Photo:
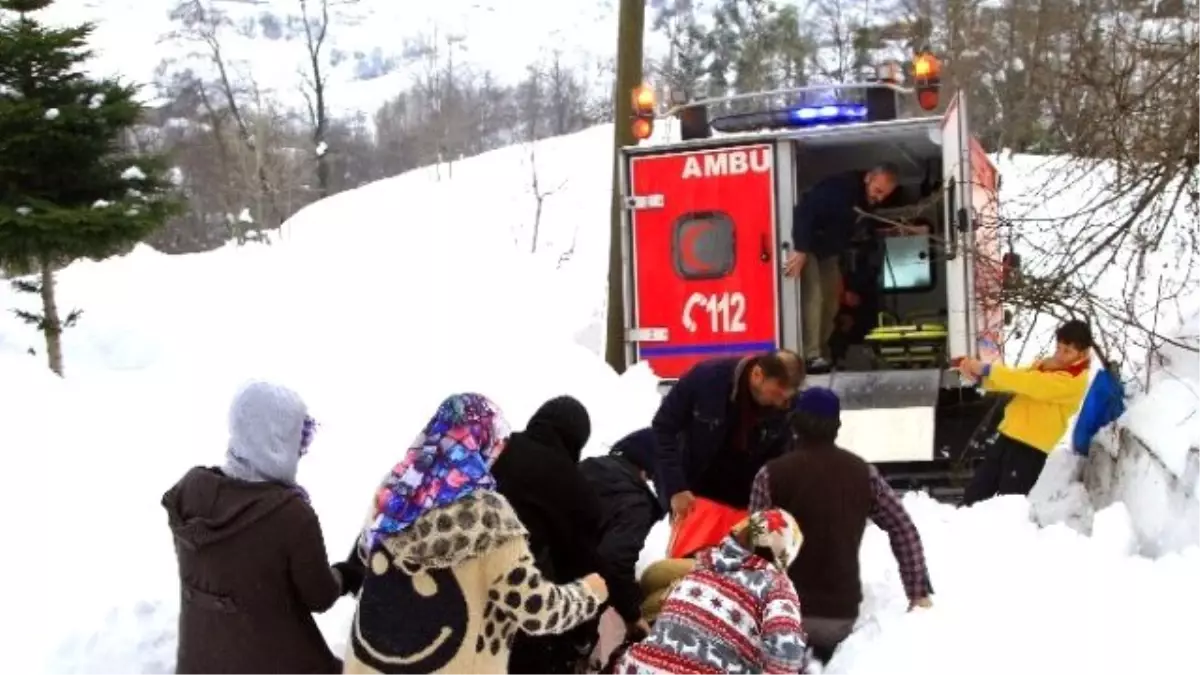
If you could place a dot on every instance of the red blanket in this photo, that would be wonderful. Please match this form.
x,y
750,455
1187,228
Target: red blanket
x,y
705,525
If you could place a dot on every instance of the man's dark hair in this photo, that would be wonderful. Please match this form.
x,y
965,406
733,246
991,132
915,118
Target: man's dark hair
x,y
808,427
888,169
1075,333
784,366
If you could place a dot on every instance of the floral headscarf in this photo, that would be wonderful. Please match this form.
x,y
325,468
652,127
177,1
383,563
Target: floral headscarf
x,y
775,530
450,459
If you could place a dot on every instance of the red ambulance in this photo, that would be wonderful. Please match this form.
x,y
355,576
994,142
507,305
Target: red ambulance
x,y
707,226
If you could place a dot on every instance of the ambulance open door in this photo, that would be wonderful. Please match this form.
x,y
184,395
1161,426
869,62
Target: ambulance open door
x,y
957,234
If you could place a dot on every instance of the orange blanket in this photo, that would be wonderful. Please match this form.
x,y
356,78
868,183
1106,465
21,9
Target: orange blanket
x,y
705,525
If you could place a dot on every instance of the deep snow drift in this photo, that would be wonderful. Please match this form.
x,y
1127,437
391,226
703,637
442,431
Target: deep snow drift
x,y
375,304
1060,210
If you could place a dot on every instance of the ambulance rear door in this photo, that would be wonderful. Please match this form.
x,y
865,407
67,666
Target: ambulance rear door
x,y
957,236
702,248
987,257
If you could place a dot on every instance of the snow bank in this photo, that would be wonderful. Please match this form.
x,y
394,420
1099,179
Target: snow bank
x,y
1149,463
1163,507
1054,203
1167,417
374,304
1011,596
1021,594
1154,468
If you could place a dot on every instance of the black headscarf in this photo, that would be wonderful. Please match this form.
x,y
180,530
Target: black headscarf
x,y
539,475
561,423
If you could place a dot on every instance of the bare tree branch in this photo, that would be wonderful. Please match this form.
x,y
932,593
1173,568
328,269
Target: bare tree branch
x,y
315,85
203,24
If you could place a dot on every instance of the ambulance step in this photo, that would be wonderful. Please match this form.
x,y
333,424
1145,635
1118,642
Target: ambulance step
x,y
944,481
882,388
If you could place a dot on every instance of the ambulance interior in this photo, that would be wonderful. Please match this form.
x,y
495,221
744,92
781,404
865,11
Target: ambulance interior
x,y
901,407
899,281
900,328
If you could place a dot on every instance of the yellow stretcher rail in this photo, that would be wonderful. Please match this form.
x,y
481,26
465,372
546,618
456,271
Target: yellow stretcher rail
x,y
915,343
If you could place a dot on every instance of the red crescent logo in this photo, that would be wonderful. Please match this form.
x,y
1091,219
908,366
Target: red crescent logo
x,y
689,241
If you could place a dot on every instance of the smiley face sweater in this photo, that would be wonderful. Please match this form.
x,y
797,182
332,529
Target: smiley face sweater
x,y
449,594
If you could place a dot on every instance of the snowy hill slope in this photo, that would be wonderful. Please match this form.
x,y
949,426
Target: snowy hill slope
x,y
367,41
370,52
500,208
375,304
474,222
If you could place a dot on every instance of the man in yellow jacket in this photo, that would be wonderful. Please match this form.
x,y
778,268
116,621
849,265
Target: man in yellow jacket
x,y
1045,396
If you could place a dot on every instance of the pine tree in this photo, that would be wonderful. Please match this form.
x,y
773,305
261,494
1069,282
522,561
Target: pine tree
x,y
756,46
69,186
684,67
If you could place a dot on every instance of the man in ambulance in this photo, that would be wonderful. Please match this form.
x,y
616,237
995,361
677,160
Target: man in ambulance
x,y
720,423
823,224
1045,396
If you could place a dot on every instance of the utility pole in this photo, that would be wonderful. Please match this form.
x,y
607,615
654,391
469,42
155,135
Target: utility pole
x,y
631,23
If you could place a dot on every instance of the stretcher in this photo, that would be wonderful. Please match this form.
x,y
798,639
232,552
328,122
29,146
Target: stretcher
x,y
918,342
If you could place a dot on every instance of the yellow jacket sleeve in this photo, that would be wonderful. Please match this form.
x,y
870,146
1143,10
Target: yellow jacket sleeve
x,y
1055,386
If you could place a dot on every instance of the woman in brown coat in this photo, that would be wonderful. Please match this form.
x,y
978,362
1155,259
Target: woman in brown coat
x,y
252,561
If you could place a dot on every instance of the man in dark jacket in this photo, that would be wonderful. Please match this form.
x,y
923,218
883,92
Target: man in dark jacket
x,y
714,430
832,493
823,224
538,474
630,510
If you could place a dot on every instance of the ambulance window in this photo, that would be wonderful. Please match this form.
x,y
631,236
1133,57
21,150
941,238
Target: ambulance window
x,y
907,264
702,246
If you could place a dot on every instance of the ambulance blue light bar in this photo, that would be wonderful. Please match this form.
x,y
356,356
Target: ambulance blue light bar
x,y
832,114
838,113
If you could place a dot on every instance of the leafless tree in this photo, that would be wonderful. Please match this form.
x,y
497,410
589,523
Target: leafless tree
x,y
565,103
202,23
600,80
248,161
1106,89
439,86
315,84
1133,88
540,194
837,21
193,128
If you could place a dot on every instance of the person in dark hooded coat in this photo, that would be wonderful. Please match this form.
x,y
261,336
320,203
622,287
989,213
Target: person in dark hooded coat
x,y
539,475
629,511
252,560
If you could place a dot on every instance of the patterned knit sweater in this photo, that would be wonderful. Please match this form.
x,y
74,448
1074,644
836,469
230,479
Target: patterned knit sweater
x,y
449,594
735,613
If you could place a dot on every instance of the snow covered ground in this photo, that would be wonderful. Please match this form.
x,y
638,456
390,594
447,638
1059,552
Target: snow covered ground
x,y
368,52
375,304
